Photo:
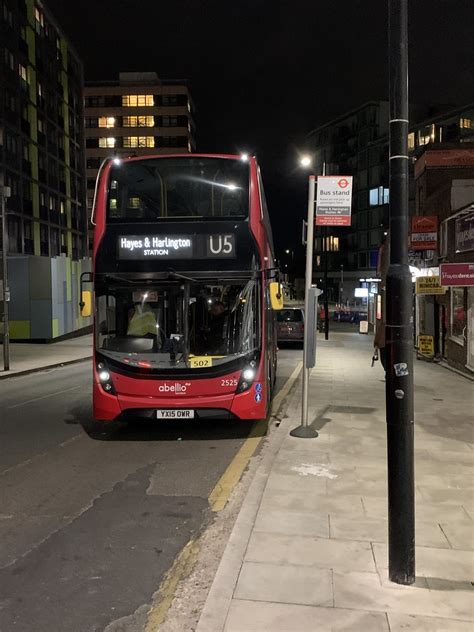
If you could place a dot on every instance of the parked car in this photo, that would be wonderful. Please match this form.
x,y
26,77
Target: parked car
x,y
290,324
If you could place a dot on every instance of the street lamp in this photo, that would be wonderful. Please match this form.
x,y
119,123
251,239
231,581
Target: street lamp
x,y
306,161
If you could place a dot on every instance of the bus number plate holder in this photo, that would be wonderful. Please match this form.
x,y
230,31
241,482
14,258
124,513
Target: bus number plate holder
x,y
175,414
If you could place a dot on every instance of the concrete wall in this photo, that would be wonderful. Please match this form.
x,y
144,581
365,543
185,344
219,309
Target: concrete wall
x,y
45,297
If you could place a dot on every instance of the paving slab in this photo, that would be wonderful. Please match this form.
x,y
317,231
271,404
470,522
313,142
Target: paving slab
x,y
415,623
252,616
287,583
320,552
364,591
448,564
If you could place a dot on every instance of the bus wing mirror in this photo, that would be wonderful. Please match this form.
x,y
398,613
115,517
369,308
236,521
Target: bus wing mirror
x,y
276,295
86,303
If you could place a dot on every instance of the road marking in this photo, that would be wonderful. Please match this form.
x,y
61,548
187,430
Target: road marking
x,y
220,494
36,399
182,567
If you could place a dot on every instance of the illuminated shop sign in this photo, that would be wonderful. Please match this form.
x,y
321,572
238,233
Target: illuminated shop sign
x,y
176,246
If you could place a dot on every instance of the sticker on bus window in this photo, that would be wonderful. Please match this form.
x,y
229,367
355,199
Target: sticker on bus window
x,y
200,362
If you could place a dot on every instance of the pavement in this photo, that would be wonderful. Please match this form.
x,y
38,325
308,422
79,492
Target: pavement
x,y
308,551
29,358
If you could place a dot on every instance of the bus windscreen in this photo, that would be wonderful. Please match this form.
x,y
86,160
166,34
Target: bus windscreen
x,y
165,327
178,188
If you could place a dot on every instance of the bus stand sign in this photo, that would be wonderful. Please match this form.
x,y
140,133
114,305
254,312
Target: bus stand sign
x,y
333,201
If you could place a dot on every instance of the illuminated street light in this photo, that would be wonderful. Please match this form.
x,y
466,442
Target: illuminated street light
x,y
305,161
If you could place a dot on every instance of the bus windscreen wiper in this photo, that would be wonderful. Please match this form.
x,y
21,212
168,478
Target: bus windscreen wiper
x,y
178,275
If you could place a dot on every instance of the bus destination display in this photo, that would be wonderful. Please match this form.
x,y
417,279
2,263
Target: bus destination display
x,y
176,246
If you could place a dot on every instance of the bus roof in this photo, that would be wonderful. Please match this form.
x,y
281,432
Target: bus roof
x,y
186,155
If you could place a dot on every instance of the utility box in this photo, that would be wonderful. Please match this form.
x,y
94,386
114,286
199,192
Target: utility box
x,y
311,327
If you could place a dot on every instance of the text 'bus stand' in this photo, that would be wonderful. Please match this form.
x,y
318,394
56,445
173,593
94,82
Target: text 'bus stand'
x,y
399,321
305,431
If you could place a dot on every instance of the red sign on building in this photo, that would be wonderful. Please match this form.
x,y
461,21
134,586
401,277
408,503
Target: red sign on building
x,y
457,274
424,232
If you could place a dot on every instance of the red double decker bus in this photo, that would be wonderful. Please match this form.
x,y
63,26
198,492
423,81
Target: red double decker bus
x,y
184,289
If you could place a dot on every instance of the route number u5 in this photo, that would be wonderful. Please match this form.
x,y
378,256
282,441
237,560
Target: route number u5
x,y
221,246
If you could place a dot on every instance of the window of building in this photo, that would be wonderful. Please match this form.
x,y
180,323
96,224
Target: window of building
x,y
91,121
93,163
23,72
170,121
458,315
443,239
466,123
411,141
39,17
134,202
40,125
107,141
9,59
379,195
95,102
44,240
106,121
14,234
138,121
7,15
11,143
62,207
139,141
137,100
332,244
28,243
362,200
54,237
170,99
374,197
426,135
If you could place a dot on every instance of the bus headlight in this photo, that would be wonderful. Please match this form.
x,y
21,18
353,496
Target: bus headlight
x,y
105,378
247,377
248,374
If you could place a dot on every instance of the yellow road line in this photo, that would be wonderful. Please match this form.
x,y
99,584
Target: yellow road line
x,y
223,489
182,566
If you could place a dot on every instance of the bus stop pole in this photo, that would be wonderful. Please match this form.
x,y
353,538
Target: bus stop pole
x,y
305,431
399,335
4,193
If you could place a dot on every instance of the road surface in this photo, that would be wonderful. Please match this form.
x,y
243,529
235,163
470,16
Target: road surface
x,y
92,517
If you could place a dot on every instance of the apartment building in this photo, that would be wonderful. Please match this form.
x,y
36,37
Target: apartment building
x,y
138,115
42,163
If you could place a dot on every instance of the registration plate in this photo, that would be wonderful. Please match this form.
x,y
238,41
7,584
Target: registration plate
x,y
175,414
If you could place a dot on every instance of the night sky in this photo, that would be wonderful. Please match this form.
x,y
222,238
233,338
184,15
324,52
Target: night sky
x,y
264,72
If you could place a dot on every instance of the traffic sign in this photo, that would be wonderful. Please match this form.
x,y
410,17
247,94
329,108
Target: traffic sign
x,y
333,201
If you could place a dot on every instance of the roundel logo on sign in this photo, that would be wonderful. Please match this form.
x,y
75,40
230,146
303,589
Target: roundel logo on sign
x,y
343,183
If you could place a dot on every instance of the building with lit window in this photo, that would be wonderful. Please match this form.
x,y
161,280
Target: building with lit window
x,y
356,144
140,114
42,162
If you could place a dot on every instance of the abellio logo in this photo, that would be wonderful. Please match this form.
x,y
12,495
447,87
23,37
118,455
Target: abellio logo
x,y
177,388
